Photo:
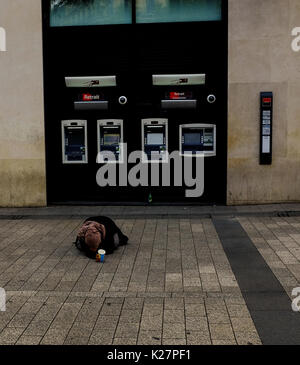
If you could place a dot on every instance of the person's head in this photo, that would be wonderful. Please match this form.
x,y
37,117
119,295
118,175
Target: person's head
x,y
90,237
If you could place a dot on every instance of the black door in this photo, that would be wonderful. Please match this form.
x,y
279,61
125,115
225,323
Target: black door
x,y
133,53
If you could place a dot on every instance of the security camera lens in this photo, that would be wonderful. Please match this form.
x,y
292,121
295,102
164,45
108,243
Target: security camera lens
x,y
211,98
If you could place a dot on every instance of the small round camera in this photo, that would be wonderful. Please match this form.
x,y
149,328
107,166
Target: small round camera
x,y
122,100
211,98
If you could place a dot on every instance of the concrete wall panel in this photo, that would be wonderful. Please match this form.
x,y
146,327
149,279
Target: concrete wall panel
x,y
22,146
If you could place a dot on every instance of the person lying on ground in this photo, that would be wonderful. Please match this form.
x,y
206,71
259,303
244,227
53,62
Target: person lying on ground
x,y
99,233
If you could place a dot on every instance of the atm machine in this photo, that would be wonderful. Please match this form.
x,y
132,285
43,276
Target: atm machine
x,y
74,142
197,139
110,140
155,139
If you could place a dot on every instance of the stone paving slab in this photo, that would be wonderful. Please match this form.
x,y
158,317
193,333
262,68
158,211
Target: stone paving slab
x,y
171,285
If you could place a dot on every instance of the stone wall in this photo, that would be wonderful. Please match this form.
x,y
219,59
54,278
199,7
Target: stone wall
x,y
261,59
22,147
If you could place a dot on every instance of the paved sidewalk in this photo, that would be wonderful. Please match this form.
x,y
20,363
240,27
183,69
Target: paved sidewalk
x,y
153,210
172,284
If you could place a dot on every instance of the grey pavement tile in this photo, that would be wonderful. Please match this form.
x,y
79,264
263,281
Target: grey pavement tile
x,y
224,342
106,323
29,340
9,336
151,323
196,324
247,338
21,320
173,303
76,340
54,337
194,310
238,311
173,316
127,330
219,318
221,331
149,337
81,330
30,308
111,309
174,341
101,339
124,341
173,330
131,315
37,327
243,324
198,338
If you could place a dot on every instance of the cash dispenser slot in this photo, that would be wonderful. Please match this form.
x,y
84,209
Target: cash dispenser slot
x,y
179,104
197,139
110,140
74,141
91,105
179,90
91,100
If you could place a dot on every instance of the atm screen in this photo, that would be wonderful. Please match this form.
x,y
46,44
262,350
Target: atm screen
x,y
74,143
192,139
74,136
155,138
198,139
111,139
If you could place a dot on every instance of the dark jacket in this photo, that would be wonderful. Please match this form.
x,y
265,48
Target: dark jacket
x,y
108,244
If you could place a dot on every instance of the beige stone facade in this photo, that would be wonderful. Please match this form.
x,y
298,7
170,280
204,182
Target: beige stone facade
x,y
260,59
22,141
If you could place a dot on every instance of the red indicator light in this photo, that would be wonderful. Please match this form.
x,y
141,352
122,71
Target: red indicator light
x,y
267,100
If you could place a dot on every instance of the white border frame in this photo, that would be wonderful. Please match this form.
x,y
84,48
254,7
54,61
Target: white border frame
x,y
148,121
198,125
116,122
67,123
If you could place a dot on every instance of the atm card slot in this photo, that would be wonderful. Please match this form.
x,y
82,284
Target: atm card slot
x,y
179,104
91,105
